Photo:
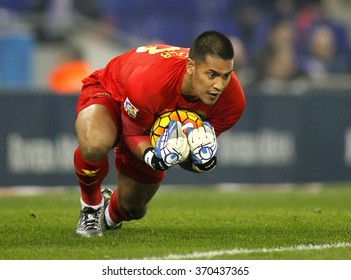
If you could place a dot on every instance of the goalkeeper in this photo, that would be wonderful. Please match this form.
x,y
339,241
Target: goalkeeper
x,y
117,106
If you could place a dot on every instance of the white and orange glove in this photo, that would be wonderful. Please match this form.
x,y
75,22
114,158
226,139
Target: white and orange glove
x,y
171,148
203,147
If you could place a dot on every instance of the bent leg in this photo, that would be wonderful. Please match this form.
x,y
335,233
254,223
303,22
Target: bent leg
x,y
97,133
129,201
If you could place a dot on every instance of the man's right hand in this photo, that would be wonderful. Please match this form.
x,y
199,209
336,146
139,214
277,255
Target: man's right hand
x,y
171,148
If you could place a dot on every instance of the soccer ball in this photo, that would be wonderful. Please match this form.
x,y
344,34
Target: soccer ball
x,y
187,118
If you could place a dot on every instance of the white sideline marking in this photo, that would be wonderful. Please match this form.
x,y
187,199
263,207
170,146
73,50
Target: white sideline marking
x,y
242,251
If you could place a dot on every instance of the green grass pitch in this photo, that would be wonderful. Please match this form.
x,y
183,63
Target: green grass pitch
x,y
254,223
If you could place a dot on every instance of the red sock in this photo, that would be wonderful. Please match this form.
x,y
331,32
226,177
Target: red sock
x,y
116,213
90,176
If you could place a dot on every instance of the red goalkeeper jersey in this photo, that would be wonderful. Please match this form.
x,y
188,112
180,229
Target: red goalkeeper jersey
x,y
147,81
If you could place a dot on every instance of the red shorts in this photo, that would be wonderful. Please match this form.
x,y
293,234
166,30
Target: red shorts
x,y
125,161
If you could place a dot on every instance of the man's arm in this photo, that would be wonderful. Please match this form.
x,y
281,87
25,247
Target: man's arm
x,y
140,149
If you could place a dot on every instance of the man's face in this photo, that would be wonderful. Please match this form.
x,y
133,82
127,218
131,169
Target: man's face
x,y
209,78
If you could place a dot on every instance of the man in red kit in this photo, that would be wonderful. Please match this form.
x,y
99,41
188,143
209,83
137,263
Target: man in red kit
x,y
118,105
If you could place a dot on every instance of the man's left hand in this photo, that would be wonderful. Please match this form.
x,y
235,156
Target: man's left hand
x,y
203,147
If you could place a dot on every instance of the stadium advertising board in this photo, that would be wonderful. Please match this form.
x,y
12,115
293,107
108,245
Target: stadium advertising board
x,y
279,139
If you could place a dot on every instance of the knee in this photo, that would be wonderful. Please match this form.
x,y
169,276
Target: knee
x,y
134,213
93,153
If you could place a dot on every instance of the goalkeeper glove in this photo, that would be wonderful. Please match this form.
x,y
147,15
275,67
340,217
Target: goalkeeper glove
x,y
171,148
203,147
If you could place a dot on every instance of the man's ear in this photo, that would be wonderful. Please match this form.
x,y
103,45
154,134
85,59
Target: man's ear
x,y
190,66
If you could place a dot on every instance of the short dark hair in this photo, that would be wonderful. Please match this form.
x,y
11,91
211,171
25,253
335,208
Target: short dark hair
x,y
212,43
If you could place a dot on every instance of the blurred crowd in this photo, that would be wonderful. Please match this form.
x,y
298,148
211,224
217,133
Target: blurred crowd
x,y
278,43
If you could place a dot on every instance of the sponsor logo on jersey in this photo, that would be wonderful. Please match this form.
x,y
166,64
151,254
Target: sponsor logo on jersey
x,y
130,108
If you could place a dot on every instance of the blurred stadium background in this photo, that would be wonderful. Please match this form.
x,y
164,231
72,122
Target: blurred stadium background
x,y
292,57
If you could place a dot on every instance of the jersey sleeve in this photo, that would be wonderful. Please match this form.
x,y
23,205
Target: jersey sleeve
x,y
142,101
